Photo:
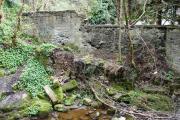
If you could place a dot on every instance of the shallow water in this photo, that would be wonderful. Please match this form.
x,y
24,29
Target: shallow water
x,y
79,114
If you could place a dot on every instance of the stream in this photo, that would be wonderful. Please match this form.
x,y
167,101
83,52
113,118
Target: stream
x,y
78,114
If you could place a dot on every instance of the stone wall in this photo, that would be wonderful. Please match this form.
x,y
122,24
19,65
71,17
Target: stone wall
x,y
105,38
55,27
66,26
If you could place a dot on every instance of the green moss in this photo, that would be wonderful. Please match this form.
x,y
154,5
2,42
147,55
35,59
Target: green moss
x,y
59,93
70,100
111,91
70,85
71,47
2,73
45,49
39,107
148,101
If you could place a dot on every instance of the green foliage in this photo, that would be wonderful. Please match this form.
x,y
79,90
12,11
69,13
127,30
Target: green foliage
x,y
38,107
33,110
104,12
147,101
170,75
46,49
8,25
14,57
34,78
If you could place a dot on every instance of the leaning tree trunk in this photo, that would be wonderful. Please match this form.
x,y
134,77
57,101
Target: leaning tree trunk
x,y
119,16
1,13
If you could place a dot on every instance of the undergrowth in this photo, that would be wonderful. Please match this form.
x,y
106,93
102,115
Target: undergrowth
x,y
14,57
34,78
8,25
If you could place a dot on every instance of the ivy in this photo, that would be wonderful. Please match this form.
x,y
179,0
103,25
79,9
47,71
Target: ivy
x,y
104,12
14,57
34,78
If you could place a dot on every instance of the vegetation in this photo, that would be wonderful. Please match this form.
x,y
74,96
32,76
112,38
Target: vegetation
x,y
103,13
92,82
34,78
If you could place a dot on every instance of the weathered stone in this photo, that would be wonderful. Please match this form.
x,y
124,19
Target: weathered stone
x,y
14,101
51,94
7,82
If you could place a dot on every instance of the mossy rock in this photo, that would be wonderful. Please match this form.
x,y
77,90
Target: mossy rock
x,y
2,73
70,100
60,108
70,85
39,107
59,93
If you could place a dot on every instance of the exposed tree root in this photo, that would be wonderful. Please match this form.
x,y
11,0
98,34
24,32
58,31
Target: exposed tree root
x,y
150,115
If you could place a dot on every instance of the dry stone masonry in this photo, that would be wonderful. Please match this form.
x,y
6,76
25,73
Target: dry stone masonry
x,y
63,27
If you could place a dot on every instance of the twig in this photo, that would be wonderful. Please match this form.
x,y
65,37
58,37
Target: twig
x,y
144,11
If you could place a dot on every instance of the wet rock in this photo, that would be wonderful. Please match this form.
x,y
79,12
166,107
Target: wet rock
x,y
14,101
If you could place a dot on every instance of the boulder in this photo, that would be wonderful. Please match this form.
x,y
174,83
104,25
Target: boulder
x,y
14,101
7,82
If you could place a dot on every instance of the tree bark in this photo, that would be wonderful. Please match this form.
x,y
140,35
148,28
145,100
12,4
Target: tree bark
x,y
131,50
1,13
159,14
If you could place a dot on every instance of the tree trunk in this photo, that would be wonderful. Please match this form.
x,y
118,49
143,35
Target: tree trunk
x,y
159,14
1,13
18,24
119,16
131,50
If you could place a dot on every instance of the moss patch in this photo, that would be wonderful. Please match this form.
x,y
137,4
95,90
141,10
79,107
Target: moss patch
x,y
70,85
147,101
39,107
